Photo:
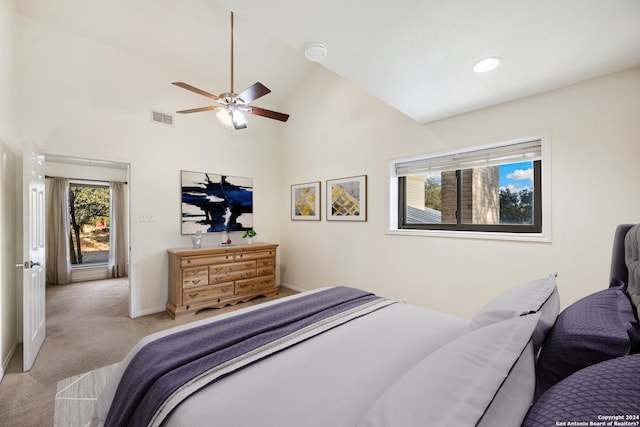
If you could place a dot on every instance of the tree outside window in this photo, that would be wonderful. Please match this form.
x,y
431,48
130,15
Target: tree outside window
x,y
89,216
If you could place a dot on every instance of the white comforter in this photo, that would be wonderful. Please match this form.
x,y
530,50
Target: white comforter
x,y
329,380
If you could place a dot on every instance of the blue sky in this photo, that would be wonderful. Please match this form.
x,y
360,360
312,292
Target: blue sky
x,y
516,176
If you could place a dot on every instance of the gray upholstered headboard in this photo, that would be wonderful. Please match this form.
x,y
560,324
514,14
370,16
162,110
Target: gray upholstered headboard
x,y
619,271
632,260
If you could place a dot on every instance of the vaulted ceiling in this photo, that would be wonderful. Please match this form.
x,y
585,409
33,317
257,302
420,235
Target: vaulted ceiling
x,y
415,55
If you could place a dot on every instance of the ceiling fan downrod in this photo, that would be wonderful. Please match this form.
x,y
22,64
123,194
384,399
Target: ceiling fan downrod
x,y
232,52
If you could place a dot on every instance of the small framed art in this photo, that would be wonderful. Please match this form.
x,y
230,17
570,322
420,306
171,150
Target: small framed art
x,y
305,201
347,199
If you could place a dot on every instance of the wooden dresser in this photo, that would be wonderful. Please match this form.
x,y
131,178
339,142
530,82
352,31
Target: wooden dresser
x,y
219,276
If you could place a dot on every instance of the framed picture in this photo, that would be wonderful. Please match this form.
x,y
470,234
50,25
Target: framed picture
x,y
347,199
305,201
215,203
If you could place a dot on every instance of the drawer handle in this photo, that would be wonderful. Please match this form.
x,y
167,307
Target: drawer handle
x,y
225,290
244,285
195,282
219,279
188,261
248,265
193,295
218,269
196,271
265,262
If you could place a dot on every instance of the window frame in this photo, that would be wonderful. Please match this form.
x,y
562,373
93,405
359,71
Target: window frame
x,y
539,232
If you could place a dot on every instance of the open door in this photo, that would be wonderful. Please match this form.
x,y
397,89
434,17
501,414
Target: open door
x,y
34,277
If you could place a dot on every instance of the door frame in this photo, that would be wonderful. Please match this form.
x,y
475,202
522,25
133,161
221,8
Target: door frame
x,y
98,163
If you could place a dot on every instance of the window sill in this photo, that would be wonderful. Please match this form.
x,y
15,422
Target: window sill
x,y
520,237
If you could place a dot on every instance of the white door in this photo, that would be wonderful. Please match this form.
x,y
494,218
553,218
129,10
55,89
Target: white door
x,y
33,294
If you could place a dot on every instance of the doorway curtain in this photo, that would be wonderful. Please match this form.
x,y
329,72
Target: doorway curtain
x,y
58,267
117,235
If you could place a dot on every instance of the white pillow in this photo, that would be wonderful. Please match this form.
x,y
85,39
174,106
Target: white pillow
x,y
486,378
537,295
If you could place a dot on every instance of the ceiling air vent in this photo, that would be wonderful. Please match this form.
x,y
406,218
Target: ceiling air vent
x,y
159,117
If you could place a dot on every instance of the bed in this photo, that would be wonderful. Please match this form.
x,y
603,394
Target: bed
x,y
340,356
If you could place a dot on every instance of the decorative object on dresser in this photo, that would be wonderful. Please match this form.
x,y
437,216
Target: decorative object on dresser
x,y
249,235
219,276
196,240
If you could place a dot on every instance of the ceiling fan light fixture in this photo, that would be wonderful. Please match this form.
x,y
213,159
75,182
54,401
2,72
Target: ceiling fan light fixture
x,y
486,64
239,121
232,117
315,52
225,117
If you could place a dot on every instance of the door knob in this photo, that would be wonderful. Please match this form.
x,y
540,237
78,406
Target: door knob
x,y
28,264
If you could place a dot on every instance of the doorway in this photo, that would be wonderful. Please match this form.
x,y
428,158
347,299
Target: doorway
x,y
89,226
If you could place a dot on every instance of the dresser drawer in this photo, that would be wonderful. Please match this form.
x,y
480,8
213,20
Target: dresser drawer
x,y
230,272
205,260
251,285
192,277
256,255
232,268
266,271
207,293
266,262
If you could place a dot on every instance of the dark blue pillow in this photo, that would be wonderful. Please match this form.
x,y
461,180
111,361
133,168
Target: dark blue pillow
x,y
599,327
610,388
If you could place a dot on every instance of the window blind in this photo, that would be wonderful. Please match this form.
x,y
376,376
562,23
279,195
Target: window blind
x,y
493,156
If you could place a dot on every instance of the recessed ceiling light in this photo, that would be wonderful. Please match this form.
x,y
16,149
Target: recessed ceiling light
x,y
486,64
315,52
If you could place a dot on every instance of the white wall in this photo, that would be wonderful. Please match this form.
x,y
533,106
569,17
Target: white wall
x,y
341,131
8,184
7,71
81,98
595,148
8,330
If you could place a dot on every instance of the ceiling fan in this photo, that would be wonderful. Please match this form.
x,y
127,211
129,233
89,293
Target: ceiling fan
x,y
232,106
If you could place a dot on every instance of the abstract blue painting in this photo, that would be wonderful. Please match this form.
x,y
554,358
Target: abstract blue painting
x,y
215,203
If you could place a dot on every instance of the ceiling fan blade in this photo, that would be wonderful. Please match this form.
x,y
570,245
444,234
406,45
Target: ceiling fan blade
x,y
195,89
254,92
197,110
269,114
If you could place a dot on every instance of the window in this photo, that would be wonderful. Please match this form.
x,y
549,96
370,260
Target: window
x,y
495,189
89,217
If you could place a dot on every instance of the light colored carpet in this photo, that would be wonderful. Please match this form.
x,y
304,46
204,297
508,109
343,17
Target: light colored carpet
x,y
87,328
76,397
